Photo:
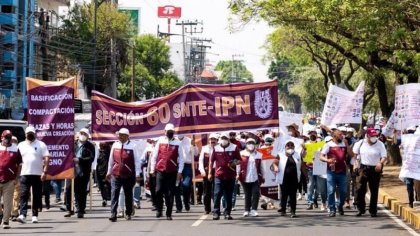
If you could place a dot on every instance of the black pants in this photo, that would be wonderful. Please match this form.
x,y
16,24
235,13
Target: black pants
x,y
80,192
165,187
288,191
127,184
252,195
367,175
225,188
46,190
207,194
26,183
152,186
104,187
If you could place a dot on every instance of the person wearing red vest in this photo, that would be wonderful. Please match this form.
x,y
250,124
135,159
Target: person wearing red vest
x,y
334,153
204,168
249,173
10,160
167,164
124,170
224,158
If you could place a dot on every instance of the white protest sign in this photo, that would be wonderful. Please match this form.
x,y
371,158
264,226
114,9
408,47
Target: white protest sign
x,y
407,105
319,167
410,157
343,106
390,125
287,118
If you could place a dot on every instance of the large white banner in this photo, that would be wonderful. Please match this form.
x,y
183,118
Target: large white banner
x,y
287,118
343,106
410,157
407,105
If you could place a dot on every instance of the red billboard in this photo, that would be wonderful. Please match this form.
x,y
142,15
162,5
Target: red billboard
x,y
169,12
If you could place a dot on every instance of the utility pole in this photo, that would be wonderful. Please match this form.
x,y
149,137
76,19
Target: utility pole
x,y
192,30
133,76
234,76
113,64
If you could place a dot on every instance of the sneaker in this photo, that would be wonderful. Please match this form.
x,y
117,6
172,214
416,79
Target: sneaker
x,y
57,200
293,215
216,217
332,214
21,219
127,217
34,219
233,209
228,217
120,214
254,213
310,207
299,196
13,218
6,225
137,205
323,207
246,213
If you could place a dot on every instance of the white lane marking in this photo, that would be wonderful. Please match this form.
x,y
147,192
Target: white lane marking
x,y
199,221
396,219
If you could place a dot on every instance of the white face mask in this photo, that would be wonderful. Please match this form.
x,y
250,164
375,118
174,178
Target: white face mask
x,y
224,142
290,133
373,139
250,147
82,138
290,151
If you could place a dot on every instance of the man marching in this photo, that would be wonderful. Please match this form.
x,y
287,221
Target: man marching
x,y
225,157
203,167
124,170
167,164
10,160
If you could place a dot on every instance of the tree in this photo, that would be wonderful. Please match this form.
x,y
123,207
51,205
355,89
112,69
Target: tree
x,y
378,36
281,69
74,42
234,71
153,77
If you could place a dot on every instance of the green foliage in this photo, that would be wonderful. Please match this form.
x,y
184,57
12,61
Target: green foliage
x,y
153,77
234,71
74,41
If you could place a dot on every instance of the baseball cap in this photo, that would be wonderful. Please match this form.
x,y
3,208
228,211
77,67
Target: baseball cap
x,y
268,138
250,140
169,127
224,134
213,135
371,132
6,133
30,129
86,131
342,129
123,131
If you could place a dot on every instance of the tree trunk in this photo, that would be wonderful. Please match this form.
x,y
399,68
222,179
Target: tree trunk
x,y
394,155
382,95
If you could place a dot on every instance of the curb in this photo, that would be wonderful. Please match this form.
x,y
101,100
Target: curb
x,y
408,214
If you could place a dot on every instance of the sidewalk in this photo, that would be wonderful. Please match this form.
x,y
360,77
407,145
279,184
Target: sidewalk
x,y
393,195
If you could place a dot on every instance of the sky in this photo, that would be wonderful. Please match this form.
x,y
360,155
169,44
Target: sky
x,y
214,15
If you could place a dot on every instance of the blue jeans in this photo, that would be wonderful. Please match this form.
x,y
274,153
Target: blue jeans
x,y
57,184
410,190
336,180
127,185
223,188
137,193
312,187
184,189
235,191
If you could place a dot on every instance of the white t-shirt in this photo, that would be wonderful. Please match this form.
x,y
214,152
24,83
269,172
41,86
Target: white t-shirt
x,y
33,157
369,155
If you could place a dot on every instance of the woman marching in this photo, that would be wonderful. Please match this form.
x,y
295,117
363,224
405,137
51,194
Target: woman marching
x,y
289,167
249,173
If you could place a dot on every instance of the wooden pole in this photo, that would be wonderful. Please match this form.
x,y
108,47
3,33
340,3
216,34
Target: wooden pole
x,y
72,196
193,174
90,192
